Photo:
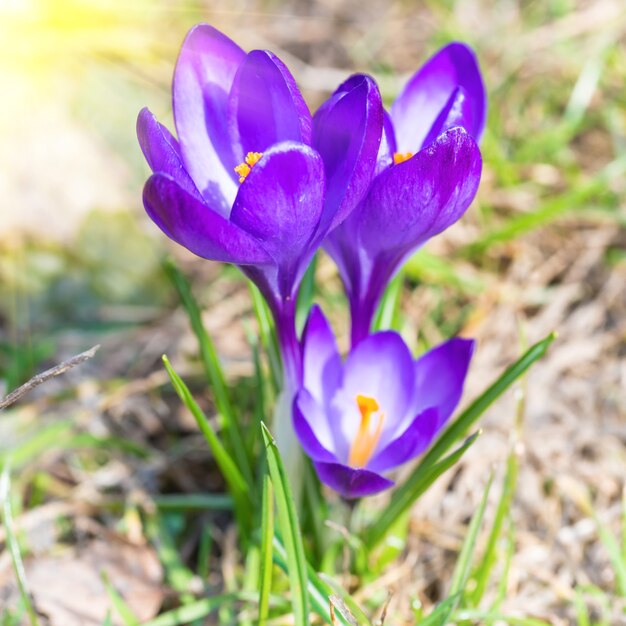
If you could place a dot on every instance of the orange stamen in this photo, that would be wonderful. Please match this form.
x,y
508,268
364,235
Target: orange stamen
x,y
401,157
243,169
365,441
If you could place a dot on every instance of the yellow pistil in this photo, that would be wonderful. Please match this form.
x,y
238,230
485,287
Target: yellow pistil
x,y
243,169
401,157
366,439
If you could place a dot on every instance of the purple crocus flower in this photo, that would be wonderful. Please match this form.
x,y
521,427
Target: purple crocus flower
x,y
242,183
427,174
361,418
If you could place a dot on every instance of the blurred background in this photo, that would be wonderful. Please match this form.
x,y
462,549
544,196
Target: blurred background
x,y
543,248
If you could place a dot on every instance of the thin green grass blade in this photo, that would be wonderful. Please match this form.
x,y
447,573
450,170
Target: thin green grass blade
x,y
178,575
237,485
193,502
481,617
465,421
290,529
463,566
613,549
192,612
348,600
305,295
439,616
483,571
13,546
319,592
580,606
464,562
387,314
409,492
268,336
213,368
267,535
426,267
119,604
552,209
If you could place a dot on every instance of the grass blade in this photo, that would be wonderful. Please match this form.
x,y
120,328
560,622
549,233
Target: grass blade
x,y
13,546
213,368
123,610
237,485
488,560
387,314
290,529
319,592
268,336
305,295
552,209
267,534
442,616
191,612
463,423
409,492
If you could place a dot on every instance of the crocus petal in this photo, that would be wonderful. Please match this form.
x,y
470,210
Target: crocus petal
x,y
440,376
183,218
349,482
203,78
266,106
413,441
413,201
388,146
457,112
162,151
322,364
380,367
347,132
280,204
311,426
426,94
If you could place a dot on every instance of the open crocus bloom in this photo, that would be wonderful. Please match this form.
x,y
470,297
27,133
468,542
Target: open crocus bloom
x,y
361,418
242,183
427,174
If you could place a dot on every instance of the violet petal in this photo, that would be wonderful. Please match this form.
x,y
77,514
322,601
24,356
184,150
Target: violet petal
x,y
266,106
349,482
183,218
347,131
412,441
440,376
426,94
203,77
322,365
311,426
162,151
280,204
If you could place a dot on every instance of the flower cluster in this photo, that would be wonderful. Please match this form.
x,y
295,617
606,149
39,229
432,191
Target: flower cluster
x,y
254,180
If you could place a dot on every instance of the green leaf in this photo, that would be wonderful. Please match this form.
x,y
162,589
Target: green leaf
x,y
305,295
267,535
578,196
481,575
462,568
192,612
237,485
12,544
463,423
124,611
387,313
409,492
290,530
213,368
268,335
319,592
